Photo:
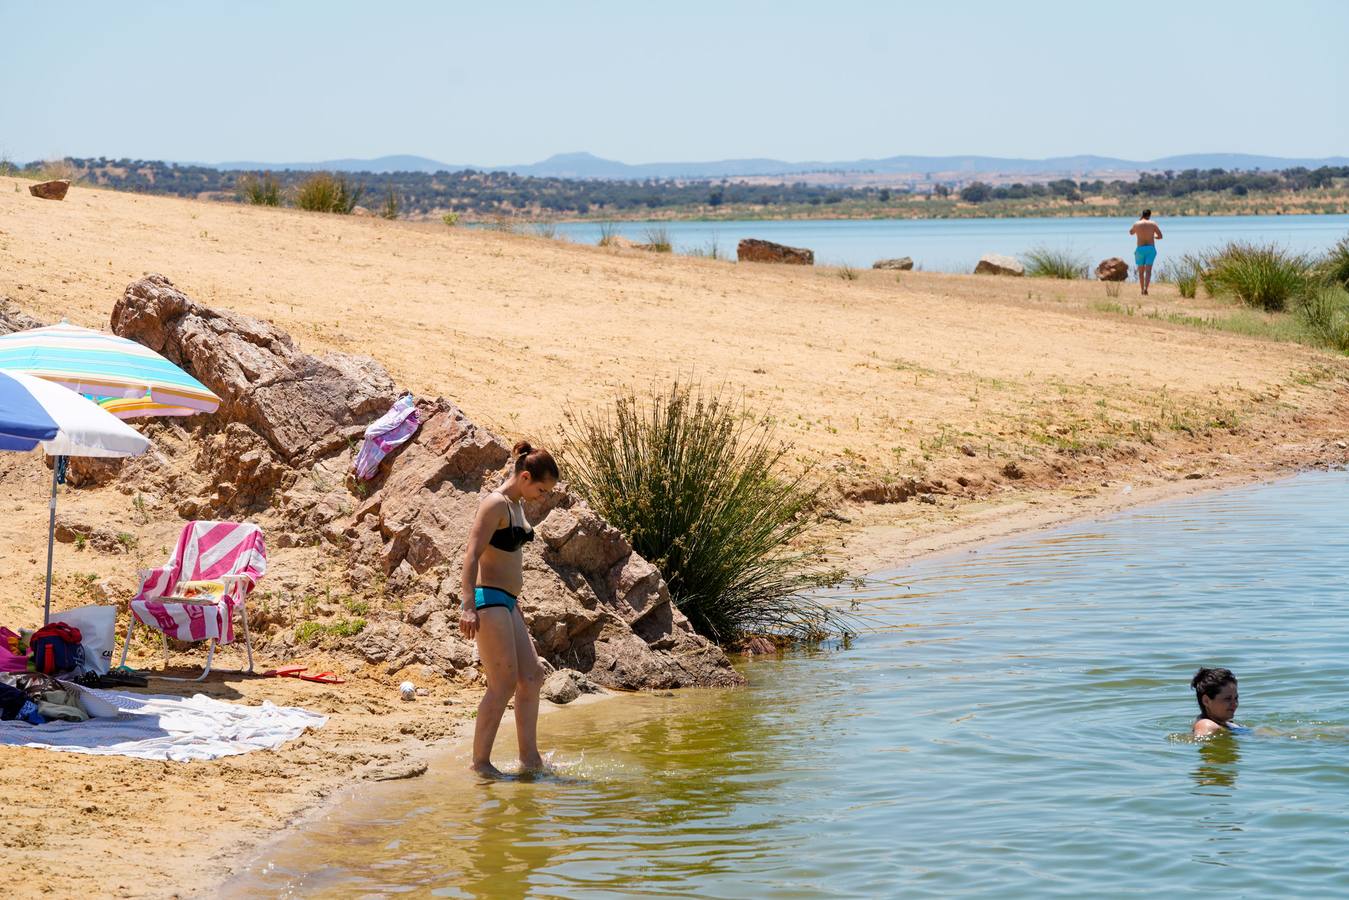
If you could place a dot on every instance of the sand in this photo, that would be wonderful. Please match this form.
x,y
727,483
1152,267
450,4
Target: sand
x,y
875,380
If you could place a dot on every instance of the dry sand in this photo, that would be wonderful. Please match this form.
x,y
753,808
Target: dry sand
x,y
1042,401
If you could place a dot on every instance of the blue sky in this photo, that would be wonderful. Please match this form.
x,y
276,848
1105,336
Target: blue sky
x,y
515,82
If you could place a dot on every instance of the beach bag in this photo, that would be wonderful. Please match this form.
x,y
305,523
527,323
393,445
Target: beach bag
x,y
12,656
97,626
55,648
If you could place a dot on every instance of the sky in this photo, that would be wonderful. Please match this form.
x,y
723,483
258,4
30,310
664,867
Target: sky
x,y
510,83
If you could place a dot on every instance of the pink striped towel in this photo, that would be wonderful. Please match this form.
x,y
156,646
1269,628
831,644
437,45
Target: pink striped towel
x,y
232,552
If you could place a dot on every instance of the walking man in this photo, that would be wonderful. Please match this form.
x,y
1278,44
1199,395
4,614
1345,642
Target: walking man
x,y
1145,254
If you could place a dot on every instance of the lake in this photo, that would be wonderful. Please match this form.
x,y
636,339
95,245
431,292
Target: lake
x,y
1017,723
955,245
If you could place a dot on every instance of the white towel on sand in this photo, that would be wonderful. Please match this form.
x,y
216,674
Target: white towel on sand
x,y
171,728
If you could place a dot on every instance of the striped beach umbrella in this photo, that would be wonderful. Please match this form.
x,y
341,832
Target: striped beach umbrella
x,y
106,366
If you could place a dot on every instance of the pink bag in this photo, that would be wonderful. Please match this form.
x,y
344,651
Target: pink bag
x,y
10,661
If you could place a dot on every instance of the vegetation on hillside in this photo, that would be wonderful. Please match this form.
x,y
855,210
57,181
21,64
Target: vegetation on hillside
x,y
485,196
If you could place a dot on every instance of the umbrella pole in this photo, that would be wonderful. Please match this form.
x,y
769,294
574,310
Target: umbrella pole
x,y
57,465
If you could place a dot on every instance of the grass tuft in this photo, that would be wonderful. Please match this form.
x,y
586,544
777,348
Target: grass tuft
x,y
260,190
696,482
608,234
658,240
848,273
1044,262
1264,276
1188,272
1324,310
1334,266
325,192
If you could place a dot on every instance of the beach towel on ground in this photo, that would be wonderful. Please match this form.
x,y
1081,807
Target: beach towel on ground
x,y
393,429
206,551
168,728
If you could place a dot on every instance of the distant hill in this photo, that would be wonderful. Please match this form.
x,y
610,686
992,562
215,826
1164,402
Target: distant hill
x,y
589,166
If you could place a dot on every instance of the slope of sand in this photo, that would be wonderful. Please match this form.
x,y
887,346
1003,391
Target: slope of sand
x,y
1009,402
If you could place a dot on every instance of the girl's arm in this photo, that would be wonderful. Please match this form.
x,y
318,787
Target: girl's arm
x,y
484,523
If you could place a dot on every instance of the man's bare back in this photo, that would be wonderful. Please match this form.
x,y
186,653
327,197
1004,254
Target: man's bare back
x,y
1146,231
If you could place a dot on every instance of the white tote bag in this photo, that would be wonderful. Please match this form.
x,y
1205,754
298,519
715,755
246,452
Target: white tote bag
x,y
98,627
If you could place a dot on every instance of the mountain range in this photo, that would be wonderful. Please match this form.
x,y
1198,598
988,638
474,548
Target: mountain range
x,y
587,165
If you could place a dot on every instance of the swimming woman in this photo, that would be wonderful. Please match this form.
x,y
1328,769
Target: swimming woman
x,y
490,610
1216,691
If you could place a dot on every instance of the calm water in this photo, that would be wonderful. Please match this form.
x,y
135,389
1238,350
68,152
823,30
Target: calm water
x,y
1021,727
955,245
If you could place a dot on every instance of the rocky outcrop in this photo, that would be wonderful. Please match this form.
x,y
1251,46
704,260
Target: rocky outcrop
x,y
301,404
50,190
1113,269
12,320
279,449
755,250
997,264
901,264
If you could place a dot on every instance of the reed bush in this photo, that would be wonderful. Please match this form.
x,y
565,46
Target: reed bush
x,y
1045,262
1324,310
546,230
608,234
1188,270
696,482
1261,275
326,192
260,190
1333,268
390,208
658,239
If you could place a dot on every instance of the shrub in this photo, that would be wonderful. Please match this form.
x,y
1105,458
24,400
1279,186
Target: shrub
x,y
260,190
1189,269
546,230
608,234
450,218
848,273
1324,309
694,480
325,192
1263,276
1042,262
658,239
390,208
1334,266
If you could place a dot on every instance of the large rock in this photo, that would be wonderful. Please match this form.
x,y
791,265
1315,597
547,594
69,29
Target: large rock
x,y
1113,269
755,250
50,190
301,404
12,320
902,264
997,264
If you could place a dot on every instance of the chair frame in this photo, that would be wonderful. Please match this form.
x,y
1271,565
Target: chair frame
x,y
214,642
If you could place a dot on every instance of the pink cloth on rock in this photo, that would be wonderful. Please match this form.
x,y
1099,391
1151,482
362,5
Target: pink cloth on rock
x,y
206,551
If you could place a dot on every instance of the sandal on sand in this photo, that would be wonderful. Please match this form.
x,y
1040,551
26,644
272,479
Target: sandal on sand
x,y
323,678
285,672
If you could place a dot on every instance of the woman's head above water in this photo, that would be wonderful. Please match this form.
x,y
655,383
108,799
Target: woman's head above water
x,y
1216,692
533,471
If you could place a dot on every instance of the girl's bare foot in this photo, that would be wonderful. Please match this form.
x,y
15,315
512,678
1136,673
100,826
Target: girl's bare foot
x,y
533,765
487,770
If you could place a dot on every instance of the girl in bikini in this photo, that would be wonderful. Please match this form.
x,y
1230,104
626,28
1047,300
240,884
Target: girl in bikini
x,y
1216,691
489,609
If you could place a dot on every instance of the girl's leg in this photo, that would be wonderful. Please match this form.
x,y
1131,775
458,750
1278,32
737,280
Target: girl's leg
x,y
528,681
496,649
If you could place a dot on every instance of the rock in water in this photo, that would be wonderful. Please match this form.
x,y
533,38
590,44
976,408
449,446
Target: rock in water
x,y
50,190
997,264
902,264
755,250
561,687
1113,269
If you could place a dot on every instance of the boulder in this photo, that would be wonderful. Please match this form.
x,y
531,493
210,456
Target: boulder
x,y
902,264
563,686
755,250
50,190
997,264
300,404
12,320
1113,269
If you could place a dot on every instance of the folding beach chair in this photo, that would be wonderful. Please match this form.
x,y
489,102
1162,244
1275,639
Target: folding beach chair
x,y
232,553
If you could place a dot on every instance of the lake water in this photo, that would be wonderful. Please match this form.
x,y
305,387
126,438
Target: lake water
x,y
1018,727
955,245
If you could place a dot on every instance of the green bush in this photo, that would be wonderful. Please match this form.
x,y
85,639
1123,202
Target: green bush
x,y
325,192
390,208
658,239
608,234
1188,271
1042,262
695,482
1324,309
260,190
1334,266
1264,276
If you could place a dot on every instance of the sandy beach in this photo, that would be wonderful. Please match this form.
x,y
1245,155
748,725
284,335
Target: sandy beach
x,y
943,409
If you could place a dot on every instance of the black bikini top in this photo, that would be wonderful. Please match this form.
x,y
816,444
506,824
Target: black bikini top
x,y
512,537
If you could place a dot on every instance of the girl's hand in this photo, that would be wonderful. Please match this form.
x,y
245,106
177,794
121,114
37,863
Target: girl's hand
x,y
468,623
